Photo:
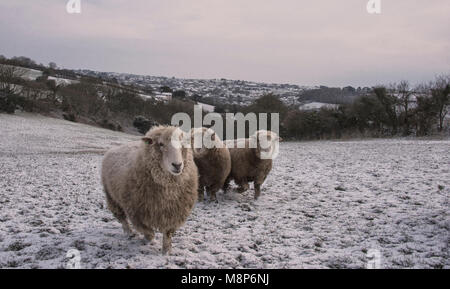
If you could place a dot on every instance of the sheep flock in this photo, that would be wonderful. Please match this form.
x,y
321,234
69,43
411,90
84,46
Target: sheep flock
x,y
154,183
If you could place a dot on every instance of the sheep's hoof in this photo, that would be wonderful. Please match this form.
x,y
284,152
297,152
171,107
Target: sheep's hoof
x,y
213,198
149,237
128,232
166,251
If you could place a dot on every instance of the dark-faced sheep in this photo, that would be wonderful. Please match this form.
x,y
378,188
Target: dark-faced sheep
x,y
212,159
152,183
251,160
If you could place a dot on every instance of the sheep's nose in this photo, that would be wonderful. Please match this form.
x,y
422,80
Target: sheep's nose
x,y
177,166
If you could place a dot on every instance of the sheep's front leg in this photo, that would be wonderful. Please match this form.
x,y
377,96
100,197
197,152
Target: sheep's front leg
x,y
149,235
242,183
226,185
243,186
257,190
126,228
201,195
167,242
212,193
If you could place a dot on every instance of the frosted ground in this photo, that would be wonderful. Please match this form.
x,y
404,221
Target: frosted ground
x,y
324,205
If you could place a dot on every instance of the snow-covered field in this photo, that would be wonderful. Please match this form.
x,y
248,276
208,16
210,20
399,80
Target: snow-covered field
x,y
325,205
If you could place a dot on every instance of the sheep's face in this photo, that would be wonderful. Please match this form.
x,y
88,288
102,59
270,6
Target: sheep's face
x,y
204,139
267,143
168,144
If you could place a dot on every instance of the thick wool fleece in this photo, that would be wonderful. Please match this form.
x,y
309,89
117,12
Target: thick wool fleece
x,y
246,166
139,189
214,166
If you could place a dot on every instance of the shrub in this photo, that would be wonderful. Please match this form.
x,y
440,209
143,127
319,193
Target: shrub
x,y
143,124
70,116
9,103
105,123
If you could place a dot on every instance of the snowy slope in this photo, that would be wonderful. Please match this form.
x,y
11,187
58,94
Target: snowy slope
x,y
324,205
33,74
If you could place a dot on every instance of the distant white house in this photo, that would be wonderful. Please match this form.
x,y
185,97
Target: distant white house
x,y
165,96
207,107
62,81
317,106
146,96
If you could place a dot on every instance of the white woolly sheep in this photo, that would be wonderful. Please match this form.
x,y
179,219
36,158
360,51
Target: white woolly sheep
x,y
152,182
212,159
251,160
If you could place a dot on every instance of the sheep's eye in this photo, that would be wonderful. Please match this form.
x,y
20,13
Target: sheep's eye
x,y
161,144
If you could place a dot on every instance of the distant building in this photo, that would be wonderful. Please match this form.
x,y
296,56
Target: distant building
x,y
207,107
317,106
159,96
165,96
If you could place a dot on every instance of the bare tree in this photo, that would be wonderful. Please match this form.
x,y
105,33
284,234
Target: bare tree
x,y
404,97
440,93
389,103
10,78
54,88
52,65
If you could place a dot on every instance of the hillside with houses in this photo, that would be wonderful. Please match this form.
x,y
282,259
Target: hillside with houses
x,y
132,103
232,92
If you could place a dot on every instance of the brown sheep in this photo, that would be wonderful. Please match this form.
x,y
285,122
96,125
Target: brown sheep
x,y
251,160
213,162
152,182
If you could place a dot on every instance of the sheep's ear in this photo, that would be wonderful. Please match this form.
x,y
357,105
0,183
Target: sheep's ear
x,y
147,140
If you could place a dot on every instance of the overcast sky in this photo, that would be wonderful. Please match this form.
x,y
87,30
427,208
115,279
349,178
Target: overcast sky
x,y
312,42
